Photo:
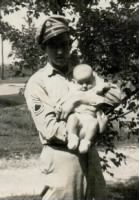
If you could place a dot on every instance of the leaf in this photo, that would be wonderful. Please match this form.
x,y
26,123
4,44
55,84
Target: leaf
x,y
110,173
6,12
23,5
115,162
131,106
30,12
17,8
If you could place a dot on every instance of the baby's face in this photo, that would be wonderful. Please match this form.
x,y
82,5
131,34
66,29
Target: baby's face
x,y
83,75
86,83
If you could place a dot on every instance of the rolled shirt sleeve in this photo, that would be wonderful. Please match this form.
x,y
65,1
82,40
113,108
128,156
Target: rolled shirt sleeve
x,y
43,113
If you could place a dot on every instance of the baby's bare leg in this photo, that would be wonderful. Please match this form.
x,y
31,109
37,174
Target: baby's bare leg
x,y
73,129
89,134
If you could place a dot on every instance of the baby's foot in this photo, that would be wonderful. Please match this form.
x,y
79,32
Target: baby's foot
x,y
102,121
73,142
84,145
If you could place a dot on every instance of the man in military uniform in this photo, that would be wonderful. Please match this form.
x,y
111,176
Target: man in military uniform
x,y
64,171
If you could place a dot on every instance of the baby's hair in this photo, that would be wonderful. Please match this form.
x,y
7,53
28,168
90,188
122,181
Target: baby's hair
x,y
82,70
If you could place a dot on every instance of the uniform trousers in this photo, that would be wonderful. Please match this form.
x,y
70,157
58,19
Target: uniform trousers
x,y
71,176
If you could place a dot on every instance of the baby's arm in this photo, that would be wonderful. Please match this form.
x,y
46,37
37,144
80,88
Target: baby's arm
x,y
112,97
64,107
67,104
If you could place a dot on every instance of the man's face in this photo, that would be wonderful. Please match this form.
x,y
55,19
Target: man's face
x,y
58,49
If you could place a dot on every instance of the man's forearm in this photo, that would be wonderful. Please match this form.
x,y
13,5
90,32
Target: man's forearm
x,y
93,99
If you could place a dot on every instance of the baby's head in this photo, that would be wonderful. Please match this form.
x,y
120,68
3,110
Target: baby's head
x,y
83,75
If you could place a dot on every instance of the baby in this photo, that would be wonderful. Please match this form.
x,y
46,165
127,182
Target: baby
x,y
85,121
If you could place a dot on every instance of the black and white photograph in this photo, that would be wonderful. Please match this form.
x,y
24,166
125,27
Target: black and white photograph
x,y
69,100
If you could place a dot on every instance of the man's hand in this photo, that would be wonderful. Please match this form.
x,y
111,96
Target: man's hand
x,y
67,105
102,90
113,96
111,93
65,109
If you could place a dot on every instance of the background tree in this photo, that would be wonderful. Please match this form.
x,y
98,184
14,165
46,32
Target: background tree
x,y
25,49
108,41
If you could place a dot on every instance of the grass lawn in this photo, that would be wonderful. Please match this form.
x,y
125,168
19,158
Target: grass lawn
x,y
128,191
117,192
22,198
18,134
11,100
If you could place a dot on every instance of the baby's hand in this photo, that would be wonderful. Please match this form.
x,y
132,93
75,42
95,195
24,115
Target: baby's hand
x,y
66,109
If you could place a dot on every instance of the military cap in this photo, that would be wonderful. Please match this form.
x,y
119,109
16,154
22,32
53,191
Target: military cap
x,y
52,26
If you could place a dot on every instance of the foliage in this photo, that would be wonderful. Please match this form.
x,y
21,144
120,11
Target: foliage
x,y
26,50
108,41
24,47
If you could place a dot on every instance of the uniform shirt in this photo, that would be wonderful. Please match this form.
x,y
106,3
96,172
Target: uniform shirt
x,y
42,92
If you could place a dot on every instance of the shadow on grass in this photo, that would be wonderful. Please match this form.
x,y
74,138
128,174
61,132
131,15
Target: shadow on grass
x,y
11,100
18,135
21,198
126,191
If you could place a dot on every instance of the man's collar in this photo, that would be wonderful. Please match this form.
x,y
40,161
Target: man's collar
x,y
51,71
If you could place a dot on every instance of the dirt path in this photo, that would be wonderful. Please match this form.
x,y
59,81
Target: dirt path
x,y
128,169
10,88
22,177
